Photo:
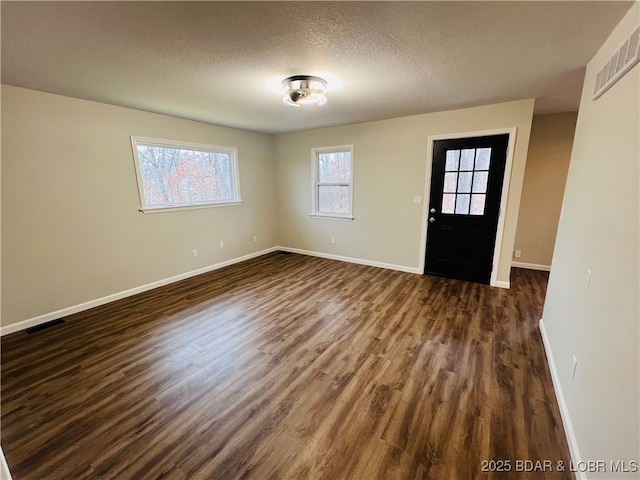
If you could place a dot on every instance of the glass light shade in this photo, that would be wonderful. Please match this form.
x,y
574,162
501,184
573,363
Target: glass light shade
x,y
303,90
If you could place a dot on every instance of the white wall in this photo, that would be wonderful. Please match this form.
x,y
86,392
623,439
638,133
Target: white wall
x,y
544,180
5,474
390,168
71,230
599,231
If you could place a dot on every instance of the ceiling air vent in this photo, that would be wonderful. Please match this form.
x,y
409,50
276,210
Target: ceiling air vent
x,y
625,57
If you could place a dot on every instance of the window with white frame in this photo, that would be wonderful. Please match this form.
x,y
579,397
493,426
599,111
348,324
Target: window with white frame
x,y
176,175
332,182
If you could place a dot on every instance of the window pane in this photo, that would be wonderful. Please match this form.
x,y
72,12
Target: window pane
x,y
174,176
482,158
334,167
333,199
450,182
480,182
462,204
452,160
477,204
448,202
466,159
464,182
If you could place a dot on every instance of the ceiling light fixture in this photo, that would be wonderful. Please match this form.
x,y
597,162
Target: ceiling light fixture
x,y
304,89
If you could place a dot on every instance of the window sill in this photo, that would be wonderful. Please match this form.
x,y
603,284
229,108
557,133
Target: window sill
x,y
187,207
343,218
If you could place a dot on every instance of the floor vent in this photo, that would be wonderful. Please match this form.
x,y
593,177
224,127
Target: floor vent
x,y
42,326
620,63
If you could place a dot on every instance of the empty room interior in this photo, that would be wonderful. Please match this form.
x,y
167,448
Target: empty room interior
x,y
320,240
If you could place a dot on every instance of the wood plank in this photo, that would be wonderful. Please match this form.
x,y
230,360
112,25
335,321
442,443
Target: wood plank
x,y
287,366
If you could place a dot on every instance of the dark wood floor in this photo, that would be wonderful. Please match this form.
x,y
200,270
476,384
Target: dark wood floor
x,y
288,367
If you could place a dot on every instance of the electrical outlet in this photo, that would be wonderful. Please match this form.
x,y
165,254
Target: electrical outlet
x,y
517,253
333,240
255,239
221,244
417,200
194,252
588,282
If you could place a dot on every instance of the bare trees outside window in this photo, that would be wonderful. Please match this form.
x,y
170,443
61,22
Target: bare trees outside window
x,y
333,181
175,175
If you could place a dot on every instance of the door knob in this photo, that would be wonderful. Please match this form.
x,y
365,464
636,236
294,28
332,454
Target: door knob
x,y
431,220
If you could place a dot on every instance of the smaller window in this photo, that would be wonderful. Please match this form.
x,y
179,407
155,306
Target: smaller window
x,y
332,182
175,175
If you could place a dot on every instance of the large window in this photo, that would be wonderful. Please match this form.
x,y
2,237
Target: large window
x,y
332,183
175,175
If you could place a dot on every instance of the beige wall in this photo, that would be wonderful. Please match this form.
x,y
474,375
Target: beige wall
x,y
72,233
544,179
71,230
390,168
599,231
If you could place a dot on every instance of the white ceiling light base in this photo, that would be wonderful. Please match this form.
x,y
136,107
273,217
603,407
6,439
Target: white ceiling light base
x,y
303,90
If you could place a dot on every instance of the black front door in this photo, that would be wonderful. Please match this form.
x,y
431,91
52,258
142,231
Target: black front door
x,y
464,205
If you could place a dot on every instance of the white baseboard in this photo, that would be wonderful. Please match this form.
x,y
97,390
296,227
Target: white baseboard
x,y
564,411
32,322
47,317
359,261
532,266
5,474
370,263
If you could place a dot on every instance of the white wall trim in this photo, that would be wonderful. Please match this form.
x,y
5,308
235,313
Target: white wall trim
x,y
5,474
360,261
564,410
370,263
532,266
512,131
32,322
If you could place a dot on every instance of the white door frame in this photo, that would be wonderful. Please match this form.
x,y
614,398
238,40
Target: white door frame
x,y
503,200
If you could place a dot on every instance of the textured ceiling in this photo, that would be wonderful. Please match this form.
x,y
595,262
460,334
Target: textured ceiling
x,y
221,62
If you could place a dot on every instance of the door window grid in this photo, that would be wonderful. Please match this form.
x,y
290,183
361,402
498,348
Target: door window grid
x,y
465,181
